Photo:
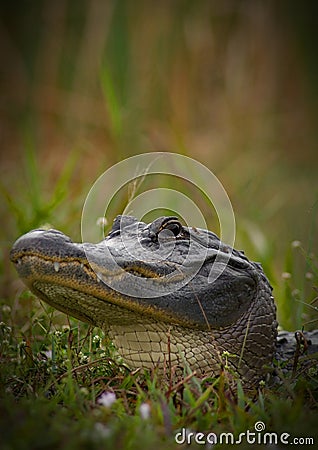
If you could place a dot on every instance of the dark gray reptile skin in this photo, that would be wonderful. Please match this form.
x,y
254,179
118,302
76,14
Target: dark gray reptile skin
x,y
151,290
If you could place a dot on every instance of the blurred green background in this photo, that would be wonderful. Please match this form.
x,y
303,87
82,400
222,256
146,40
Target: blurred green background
x,y
233,84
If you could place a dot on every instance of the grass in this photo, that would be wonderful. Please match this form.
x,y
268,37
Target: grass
x,y
88,84
62,384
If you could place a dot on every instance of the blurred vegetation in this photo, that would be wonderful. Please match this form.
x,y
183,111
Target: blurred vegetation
x,y
87,84
233,84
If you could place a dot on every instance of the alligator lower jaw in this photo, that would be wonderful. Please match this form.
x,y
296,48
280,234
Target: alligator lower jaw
x,y
166,348
141,340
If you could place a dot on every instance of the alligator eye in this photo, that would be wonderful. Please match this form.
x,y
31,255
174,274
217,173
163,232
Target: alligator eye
x,y
165,223
174,226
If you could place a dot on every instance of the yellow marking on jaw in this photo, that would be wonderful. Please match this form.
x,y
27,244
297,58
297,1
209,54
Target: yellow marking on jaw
x,y
147,273
137,269
66,260
28,254
92,286
121,271
90,267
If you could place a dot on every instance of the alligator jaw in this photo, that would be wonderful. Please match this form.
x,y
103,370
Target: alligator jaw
x,y
195,322
47,260
57,270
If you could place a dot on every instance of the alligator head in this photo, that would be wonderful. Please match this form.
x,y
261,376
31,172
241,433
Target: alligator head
x,y
158,288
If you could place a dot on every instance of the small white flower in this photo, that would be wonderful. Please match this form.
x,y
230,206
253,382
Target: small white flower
x,y
48,354
309,276
107,399
96,339
6,309
296,244
83,359
101,222
144,411
286,275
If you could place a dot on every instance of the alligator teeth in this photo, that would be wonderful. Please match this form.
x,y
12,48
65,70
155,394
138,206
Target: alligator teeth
x,y
19,262
56,266
99,277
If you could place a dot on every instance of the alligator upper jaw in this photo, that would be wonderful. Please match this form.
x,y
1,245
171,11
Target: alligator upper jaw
x,y
53,250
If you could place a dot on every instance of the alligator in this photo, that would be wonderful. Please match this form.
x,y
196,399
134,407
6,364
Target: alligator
x,y
168,296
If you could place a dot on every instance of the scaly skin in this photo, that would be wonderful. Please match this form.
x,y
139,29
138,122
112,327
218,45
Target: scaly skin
x,y
163,292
